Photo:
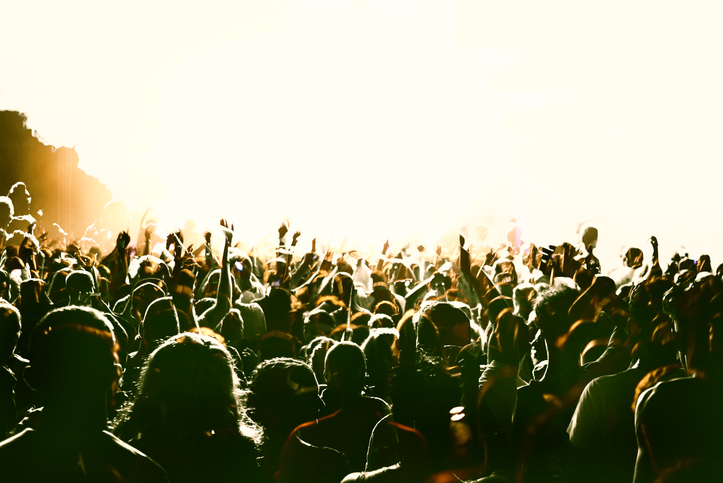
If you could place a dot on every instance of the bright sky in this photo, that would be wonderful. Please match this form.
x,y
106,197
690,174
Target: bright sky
x,y
376,119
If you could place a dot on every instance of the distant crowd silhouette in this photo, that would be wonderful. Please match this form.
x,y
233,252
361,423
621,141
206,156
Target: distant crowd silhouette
x,y
162,361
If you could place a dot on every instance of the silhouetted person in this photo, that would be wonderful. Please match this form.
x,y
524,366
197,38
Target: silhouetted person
x,y
74,368
9,335
283,394
188,414
678,423
544,407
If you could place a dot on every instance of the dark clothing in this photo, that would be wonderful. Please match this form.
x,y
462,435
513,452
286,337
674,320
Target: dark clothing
x,y
212,459
45,456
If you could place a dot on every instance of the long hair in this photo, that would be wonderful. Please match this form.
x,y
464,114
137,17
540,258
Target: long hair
x,y
188,388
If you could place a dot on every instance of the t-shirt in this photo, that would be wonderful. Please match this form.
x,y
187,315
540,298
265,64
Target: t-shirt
x,y
603,425
679,423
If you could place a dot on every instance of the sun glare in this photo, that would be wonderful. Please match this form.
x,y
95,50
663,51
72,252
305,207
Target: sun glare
x,y
368,120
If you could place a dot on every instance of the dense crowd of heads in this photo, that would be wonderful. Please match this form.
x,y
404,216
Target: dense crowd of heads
x,y
156,361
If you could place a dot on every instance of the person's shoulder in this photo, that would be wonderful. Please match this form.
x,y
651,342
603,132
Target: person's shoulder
x,y
12,442
377,404
141,467
250,306
667,394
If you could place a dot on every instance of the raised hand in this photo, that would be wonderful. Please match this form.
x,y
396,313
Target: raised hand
x,y
283,229
568,264
122,241
149,231
295,238
227,230
170,240
491,257
654,243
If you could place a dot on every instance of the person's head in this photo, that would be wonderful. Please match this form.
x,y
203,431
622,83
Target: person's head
x,y
278,311
188,388
143,295
633,258
381,320
31,292
242,268
452,322
283,393
589,237
697,312
552,313
406,346
277,343
509,338
4,285
341,286
7,211
160,321
150,267
80,287
20,197
183,285
319,347
428,338
73,356
379,353
317,323
232,326
346,368
523,298
646,303
9,330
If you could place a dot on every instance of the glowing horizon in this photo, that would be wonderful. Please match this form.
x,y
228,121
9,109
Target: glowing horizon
x,y
367,108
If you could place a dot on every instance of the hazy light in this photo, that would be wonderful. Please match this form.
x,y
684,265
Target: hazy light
x,y
374,119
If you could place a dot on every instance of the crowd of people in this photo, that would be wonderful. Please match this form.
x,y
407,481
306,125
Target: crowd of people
x,y
165,362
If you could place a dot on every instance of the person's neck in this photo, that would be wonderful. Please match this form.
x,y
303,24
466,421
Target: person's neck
x,y
77,416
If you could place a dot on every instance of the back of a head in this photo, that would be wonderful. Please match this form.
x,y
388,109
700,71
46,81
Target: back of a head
x,y
73,351
452,322
552,310
160,321
188,386
346,367
646,302
80,286
20,197
697,313
283,392
6,211
317,322
381,320
523,296
9,330
232,326
378,351
143,295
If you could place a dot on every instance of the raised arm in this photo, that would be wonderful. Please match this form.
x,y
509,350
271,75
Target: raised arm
x,y
213,317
